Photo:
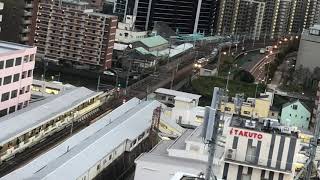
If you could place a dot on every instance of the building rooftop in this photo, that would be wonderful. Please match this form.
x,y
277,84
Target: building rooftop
x,y
259,125
22,121
9,46
74,157
153,41
177,93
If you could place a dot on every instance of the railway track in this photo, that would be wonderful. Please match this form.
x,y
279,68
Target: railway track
x,y
28,154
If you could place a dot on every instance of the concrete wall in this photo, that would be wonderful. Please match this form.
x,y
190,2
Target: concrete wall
x,y
308,54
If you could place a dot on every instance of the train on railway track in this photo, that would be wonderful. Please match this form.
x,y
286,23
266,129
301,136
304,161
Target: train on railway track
x,y
32,125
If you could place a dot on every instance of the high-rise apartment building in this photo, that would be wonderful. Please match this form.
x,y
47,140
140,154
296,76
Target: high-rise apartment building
x,y
67,31
18,19
16,72
182,16
241,17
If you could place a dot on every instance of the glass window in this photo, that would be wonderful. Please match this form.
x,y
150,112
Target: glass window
x,y
28,89
19,106
16,77
7,80
29,73
24,74
12,109
26,58
295,107
9,63
3,112
5,96
25,104
18,61
32,57
251,153
0,81
14,93
1,64
21,91
246,177
246,112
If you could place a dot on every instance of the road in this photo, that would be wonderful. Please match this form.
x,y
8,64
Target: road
x,y
258,70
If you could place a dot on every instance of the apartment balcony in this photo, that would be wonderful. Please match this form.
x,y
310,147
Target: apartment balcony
x,y
26,22
25,30
28,5
24,38
27,13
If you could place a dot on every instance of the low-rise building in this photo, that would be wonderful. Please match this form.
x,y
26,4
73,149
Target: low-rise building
x,y
253,151
167,96
251,107
295,114
208,70
188,153
154,43
16,74
126,33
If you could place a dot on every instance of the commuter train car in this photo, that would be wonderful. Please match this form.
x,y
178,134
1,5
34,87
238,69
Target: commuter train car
x,y
35,123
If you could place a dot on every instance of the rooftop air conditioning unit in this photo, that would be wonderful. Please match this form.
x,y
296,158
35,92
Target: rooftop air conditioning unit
x,y
230,154
250,124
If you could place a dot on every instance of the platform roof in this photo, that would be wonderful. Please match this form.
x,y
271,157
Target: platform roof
x,y
24,120
153,41
177,93
9,46
88,147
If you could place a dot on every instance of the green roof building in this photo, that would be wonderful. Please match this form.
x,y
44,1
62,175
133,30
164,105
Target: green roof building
x,y
155,43
295,114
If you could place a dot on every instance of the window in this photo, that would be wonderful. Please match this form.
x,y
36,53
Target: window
x,y
12,109
272,114
9,63
98,167
1,64
16,77
5,96
290,115
307,119
29,73
0,81
21,91
19,106
25,104
104,161
32,57
18,61
295,107
26,58
301,117
246,112
7,80
246,177
28,89
251,153
14,93
24,74
3,112
110,157
227,108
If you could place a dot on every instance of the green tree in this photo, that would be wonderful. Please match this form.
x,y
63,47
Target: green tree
x,y
244,76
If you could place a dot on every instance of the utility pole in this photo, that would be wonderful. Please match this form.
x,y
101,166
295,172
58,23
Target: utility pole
x,y
313,144
98,84
219,60
209,131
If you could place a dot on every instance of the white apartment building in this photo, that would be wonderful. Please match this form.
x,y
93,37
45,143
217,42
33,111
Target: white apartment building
x,y
125,32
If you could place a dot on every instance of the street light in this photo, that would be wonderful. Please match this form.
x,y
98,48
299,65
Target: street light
x,y
297,37
224,53
275,46
285,39
280,42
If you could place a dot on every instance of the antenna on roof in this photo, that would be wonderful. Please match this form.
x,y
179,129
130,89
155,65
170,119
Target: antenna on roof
x,y
210,128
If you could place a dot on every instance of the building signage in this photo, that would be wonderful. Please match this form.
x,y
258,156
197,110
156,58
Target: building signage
x,y
245,133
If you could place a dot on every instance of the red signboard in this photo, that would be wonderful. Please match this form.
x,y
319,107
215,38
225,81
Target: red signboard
x,y
245,133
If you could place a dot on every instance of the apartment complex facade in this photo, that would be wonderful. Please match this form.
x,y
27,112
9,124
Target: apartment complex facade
x,y
182,16
16,74
68,31
253,152
18,20
241,17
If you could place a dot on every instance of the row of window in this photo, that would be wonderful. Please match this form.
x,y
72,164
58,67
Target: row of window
x,y
12,109
16,62
14,78
6,96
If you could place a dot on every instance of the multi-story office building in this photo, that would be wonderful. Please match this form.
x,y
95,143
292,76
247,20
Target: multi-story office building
x,y
16,72
252,151
241,17
69,32
182,16
308,54
18,19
